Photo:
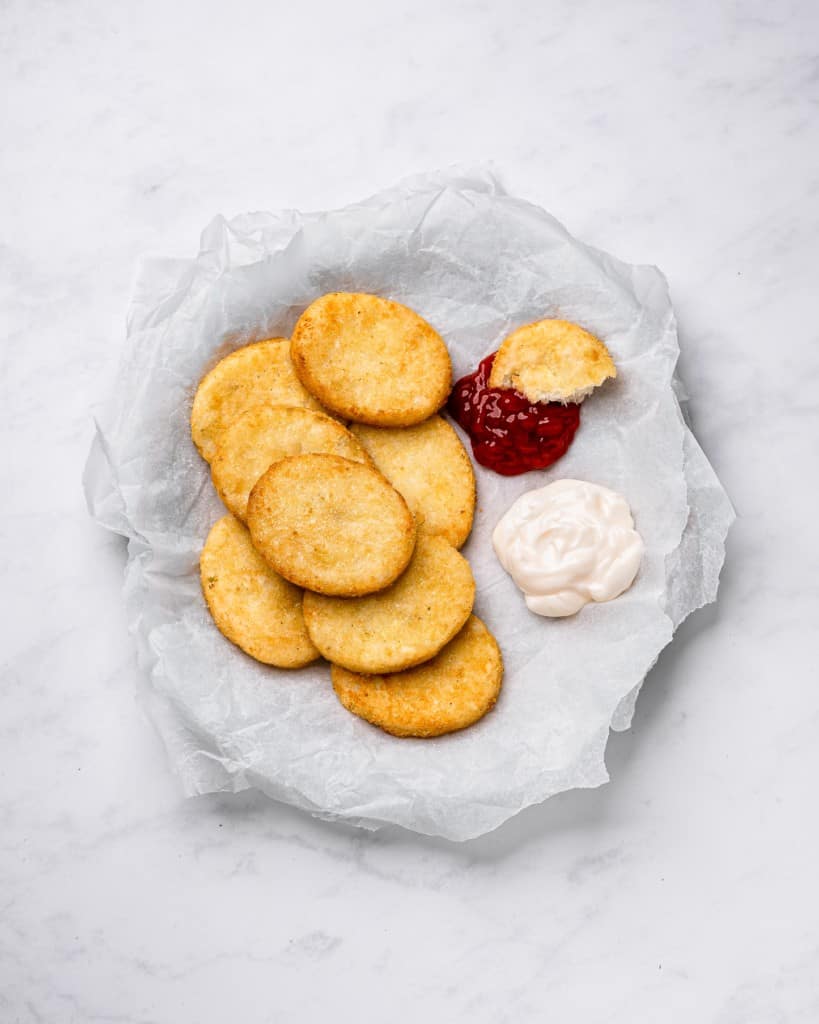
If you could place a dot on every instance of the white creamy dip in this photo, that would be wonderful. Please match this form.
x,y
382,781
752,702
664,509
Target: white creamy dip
x,y
569,543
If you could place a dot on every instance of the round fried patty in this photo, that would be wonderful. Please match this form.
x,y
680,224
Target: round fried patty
x,y
251,605
452,691
331,525
403,625
371,360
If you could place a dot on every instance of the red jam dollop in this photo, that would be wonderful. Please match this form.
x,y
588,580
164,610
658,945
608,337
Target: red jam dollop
x,y
509,433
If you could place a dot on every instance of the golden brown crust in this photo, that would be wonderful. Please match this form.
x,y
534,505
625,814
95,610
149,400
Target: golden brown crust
x,y
371,360
552,361
264,434
428,465
258,373
251,605
402,626
331,525
452,691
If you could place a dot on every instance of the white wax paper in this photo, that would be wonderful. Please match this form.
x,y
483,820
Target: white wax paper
x,y
476,263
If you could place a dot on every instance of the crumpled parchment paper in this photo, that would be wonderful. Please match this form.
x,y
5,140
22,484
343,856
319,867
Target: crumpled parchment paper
x,y
476,263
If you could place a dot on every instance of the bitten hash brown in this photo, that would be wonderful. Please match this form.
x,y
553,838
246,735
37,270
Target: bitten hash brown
x,y
402,626
371,360
428,465
450,692
331,525
260,372
264,434
251,605
552,361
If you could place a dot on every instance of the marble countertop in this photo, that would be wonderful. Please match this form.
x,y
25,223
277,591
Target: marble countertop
x,y
683,134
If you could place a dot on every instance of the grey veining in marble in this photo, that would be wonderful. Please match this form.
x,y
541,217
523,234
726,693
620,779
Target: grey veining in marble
x,y
681,134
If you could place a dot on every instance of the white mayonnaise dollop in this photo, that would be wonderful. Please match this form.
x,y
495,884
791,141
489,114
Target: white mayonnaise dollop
x,y
569,543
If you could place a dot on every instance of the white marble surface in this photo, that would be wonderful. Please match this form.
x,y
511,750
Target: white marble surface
x,y
684,134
